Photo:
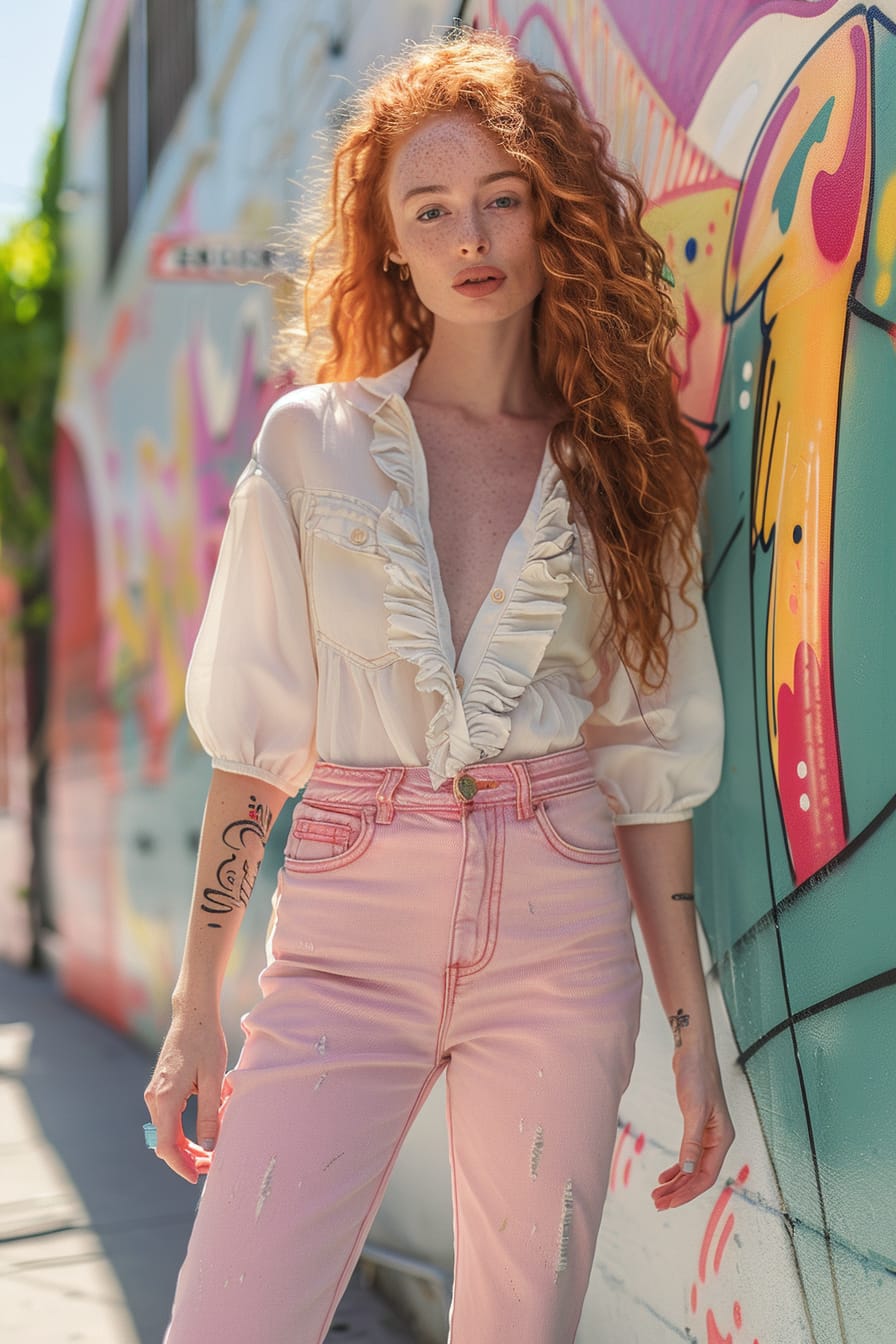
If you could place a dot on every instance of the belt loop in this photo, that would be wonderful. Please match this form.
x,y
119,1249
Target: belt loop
x,y
524,808
385,808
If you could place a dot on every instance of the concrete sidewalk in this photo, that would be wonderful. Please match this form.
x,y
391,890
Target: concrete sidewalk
x,y
92,1230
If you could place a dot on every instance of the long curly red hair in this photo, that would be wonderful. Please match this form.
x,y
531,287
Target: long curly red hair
x,y
601,328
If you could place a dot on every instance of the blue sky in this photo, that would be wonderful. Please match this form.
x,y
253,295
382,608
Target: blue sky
x,y
36,42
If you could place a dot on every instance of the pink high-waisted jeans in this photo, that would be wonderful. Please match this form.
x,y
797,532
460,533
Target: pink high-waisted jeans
x,y
416,933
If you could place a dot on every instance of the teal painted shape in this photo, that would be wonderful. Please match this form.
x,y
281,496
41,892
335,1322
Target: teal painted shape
x,y
751,981
787,190
883,35
837,934
815,1266
751,843
732,879
779,1103
850,1078
863,573
842,930
831,1078
868,1296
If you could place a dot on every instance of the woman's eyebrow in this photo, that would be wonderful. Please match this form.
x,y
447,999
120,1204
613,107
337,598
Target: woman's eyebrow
x,y
480,182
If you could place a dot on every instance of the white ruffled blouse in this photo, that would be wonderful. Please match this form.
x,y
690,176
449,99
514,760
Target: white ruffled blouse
x,y
327,634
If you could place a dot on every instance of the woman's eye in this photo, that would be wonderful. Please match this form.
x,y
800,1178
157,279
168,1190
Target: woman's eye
x,y
505,202
433,212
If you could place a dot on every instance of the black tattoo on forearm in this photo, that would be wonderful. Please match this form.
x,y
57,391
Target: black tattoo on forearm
x,y
677,1021
237,872
682,895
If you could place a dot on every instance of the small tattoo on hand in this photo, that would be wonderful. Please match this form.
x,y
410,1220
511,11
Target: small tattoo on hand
x,y
676,1022
682,895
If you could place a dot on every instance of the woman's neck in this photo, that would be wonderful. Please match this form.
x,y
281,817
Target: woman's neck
x,y
488,370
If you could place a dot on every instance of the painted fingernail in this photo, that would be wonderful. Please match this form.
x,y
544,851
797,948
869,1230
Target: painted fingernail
x,y
208,1145
687,1167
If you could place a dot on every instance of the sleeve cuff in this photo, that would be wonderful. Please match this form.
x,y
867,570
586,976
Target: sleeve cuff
x,y
651,818
288,786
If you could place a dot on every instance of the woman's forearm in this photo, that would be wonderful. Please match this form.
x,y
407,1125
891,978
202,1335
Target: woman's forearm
x,y
659,867
239,813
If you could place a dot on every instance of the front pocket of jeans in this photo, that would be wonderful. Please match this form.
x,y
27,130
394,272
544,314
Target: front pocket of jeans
x,y
320,841
578,826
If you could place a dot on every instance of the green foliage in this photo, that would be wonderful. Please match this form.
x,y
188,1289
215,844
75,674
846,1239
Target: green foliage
x,y
31,342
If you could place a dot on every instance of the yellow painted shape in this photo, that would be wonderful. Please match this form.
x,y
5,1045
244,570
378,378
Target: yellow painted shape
x,y
704,215
885,242
804,303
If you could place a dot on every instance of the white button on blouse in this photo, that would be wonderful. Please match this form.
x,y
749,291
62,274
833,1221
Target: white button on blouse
x,y
327,633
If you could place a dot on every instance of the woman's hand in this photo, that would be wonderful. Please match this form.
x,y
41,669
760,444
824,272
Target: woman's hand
x,y
193,1059
708,1131
239,813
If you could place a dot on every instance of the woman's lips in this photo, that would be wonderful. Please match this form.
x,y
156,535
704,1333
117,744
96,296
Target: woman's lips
x,y
478,281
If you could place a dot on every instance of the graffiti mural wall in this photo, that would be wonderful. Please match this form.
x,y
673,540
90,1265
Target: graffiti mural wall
x,y
166,381
766,136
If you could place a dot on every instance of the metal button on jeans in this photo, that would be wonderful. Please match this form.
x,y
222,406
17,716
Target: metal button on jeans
x,y
465,787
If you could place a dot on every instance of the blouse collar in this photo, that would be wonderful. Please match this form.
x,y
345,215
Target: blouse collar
x,y
369,394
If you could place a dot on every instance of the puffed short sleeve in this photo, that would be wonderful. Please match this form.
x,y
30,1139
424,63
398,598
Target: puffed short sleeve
x,y
251,691
658,755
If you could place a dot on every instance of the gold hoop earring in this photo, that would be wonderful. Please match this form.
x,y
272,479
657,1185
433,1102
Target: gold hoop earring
x,y
404,270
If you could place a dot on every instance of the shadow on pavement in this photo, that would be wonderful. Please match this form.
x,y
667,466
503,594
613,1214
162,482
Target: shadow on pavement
x,y
85,1087
80,1194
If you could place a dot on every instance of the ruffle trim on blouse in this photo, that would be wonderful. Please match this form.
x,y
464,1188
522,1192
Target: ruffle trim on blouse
x,y
528,623
413,628
462,732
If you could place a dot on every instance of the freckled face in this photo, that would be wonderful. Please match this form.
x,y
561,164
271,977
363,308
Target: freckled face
x,y
463,221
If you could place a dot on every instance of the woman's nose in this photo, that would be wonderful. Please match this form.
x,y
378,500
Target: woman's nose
x,y
472,237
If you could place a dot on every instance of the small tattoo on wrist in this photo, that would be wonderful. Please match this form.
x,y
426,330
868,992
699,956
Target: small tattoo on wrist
x,y
682,895
677,1021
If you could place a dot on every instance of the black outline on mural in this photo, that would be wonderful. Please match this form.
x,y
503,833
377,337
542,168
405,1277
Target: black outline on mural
x,y
804,888
883,980
724,556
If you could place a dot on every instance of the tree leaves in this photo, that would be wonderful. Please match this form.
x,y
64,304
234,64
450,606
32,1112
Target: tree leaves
x,y
31,343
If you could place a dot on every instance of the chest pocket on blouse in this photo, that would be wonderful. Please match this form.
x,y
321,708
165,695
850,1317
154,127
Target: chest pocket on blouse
x,y
347,579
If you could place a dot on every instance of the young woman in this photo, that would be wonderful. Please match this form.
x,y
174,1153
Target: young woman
x,y
459,595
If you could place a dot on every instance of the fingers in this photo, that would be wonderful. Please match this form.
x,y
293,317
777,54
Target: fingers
x,y
172,1145
166,1101
691,1152
681,1183
208,1103
682,1188
696,1119
192,1061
